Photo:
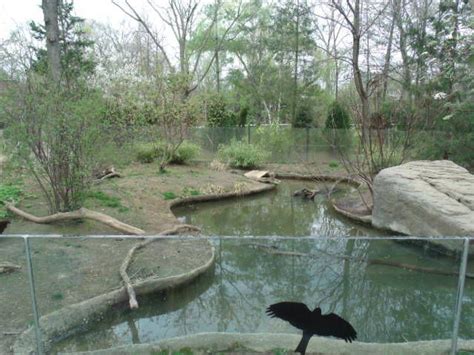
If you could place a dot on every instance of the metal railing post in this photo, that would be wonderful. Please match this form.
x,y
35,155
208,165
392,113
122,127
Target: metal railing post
x,y
39,343
457,314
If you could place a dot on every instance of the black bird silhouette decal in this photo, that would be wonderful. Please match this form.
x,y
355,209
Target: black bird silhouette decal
x,y
3,225
312,323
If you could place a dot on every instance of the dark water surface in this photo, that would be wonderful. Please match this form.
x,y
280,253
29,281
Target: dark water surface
x,y
383,303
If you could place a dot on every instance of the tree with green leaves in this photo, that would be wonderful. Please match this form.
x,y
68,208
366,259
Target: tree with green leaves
x,y
67,55
54,114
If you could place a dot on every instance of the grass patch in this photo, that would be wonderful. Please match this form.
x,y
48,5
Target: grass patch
x,y
8,193
169,195
189,191
333,164
106,200
58,296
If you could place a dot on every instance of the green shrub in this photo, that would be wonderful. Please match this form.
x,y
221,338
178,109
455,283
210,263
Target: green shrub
x,y
146,153
218,114
149,152
273,139
8,193
244,112
241,155
169,195
337,117
186,151
304,117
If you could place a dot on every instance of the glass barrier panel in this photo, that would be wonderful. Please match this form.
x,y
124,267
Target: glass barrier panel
x,y
15,294
466,321
213,293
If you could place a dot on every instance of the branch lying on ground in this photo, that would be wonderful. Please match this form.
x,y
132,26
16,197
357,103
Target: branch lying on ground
x,y
6,267
82,213
128,259
107,173
275,251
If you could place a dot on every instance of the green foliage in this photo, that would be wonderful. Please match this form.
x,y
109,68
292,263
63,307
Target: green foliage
x,y
169,195
186,152
57,296
8,193
243,113
149,152
397,114
73,41
333,164
146,153
274,139
337,117
105,200
241,155
56,133
218,113
189,191
453,137
304,117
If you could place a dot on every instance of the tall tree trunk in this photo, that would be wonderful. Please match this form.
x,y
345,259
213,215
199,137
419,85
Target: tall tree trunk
x,y
399,8
356,35
295,84
388,56
50,14
218,70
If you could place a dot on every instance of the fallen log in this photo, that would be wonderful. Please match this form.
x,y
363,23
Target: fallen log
x,y
82,213
7,267
132,297
307,193
357,217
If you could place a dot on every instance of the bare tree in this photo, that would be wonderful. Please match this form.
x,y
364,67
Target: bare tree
x,y
352,15
330,32
181,17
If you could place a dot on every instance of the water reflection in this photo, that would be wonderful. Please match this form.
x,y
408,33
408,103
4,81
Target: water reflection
x,y
384,304
273,213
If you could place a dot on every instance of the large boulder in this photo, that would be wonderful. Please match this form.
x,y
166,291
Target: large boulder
x,y
426,198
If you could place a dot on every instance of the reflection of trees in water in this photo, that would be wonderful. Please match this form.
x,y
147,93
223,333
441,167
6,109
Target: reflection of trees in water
x,y
249,280
273,213
383,304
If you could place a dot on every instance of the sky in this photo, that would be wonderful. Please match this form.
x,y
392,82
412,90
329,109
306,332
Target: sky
x,y
17,12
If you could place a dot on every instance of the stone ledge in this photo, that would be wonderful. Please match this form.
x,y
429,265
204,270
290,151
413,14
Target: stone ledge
x,y
242,343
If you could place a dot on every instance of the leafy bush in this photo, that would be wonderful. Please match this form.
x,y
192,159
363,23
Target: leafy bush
x,y
149,152
453,137
57,137
273,139
397,114
241,155
218,114
186,151
304,117
244,112
146,153
337,117
8,193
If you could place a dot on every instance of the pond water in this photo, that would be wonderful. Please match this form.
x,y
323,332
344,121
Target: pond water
x,y
383,303
275,213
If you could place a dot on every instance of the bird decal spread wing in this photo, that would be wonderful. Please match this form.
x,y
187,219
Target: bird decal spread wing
x,y
338,327
294,312
312,323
